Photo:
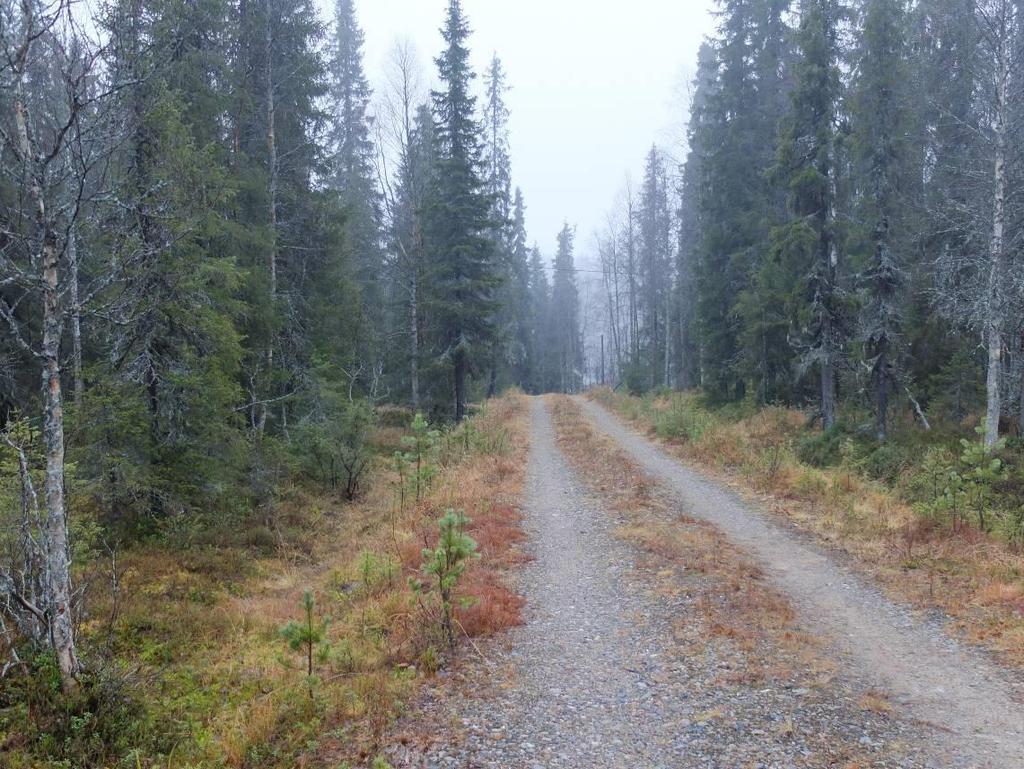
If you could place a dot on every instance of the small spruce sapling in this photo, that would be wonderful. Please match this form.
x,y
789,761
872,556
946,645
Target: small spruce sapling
x,y
308,636
982,470
446,563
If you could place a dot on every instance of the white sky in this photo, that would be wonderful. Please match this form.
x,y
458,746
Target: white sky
x,y
594,83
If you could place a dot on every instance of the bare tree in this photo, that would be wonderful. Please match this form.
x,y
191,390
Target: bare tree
x,y
57,143
977,282
402,96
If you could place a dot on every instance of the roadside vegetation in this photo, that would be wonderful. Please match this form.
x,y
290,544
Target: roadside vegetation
x,y
934,516
220,641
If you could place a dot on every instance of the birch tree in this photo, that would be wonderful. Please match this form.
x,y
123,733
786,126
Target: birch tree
x,y
57,141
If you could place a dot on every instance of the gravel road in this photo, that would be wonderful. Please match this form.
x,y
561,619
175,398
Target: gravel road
x,y
974,705
609,671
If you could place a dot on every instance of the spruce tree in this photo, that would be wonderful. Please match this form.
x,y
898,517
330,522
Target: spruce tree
x,y
351,167
656,262
738,203
463,276
507,354
517,297
416,179
691,229
808,167
880,129
537,314
563,317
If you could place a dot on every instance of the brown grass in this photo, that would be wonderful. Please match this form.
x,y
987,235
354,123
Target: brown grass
x,y
202,625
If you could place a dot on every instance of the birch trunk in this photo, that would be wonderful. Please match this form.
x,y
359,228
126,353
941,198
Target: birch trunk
x,y
76,321
272,185
55,546
57,549
994,327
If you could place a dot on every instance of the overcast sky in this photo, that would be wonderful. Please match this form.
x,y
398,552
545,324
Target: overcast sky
x,y
593,85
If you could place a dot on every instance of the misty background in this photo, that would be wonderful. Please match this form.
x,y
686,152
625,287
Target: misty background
x,y
591,86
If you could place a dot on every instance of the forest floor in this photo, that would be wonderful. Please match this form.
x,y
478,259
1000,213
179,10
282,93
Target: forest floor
x,y
671,624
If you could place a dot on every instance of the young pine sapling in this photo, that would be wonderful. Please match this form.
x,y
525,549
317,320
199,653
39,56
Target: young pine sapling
x,y
308,636
446,563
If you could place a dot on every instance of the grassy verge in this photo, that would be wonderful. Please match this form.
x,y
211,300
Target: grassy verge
x,y
895,510
196,671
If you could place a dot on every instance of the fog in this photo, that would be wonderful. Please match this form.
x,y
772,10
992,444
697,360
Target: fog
x,y
593,85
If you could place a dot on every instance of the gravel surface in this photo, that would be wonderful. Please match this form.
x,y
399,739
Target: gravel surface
x,y
613,669
973,703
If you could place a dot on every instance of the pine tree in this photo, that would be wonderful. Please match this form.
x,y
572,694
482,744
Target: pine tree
x,y
463,275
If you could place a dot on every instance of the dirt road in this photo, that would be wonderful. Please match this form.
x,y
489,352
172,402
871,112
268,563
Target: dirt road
x,y
599,675
936,679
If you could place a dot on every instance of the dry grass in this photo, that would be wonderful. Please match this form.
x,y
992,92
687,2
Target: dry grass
x,y
876,702
973,577
202,627
734,602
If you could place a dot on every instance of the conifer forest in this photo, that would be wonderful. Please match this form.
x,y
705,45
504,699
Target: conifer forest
x,y
313,454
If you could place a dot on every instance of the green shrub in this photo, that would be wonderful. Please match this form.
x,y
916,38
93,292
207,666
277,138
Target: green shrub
x,y
885,463
100,724
334,448
821,449
686,419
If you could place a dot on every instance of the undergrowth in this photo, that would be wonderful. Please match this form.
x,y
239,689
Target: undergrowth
x,y
293,640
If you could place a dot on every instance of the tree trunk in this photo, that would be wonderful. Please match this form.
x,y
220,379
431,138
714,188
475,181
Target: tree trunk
x,y
272,184
76,321
414,344
1020,392
881,397
460,386
994,330
828,395
57,549
55,546
668,336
